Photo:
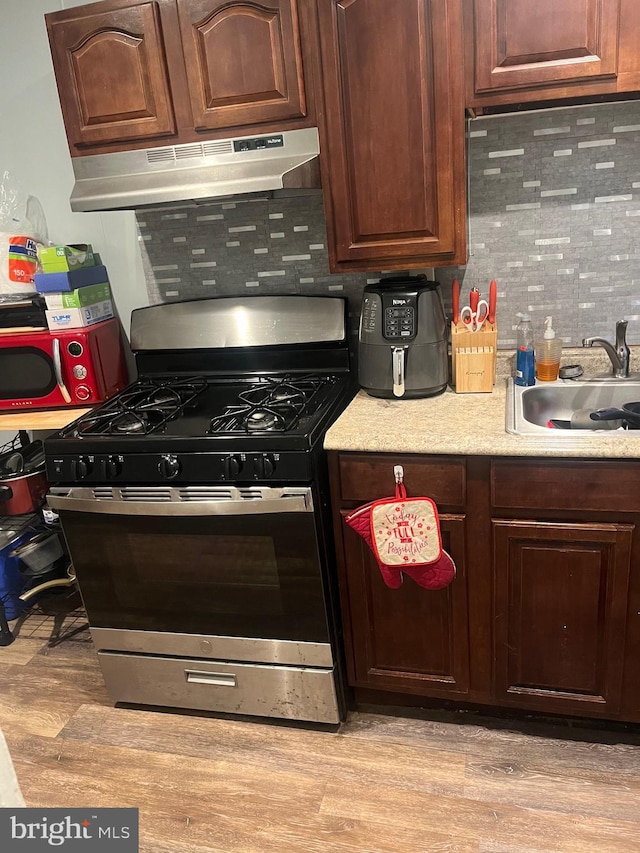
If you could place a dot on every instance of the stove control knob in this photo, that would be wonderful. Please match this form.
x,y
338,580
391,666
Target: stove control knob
x,y
232,466
265,465
169,466
112,467
81,467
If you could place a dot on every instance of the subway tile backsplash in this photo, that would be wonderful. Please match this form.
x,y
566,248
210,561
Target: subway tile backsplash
x,y
267,247
554,218
554,207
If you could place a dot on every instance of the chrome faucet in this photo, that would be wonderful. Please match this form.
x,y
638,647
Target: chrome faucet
x,y
618,354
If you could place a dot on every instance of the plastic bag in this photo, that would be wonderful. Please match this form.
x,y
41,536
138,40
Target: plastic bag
x,y
23,228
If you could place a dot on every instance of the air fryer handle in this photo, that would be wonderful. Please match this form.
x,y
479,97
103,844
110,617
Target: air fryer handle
x,y
397,367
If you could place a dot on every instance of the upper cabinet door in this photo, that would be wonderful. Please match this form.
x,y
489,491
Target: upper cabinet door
x,y
243,61
521,44
392,140
112,76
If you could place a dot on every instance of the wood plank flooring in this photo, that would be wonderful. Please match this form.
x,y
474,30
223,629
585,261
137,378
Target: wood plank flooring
x,y
383,784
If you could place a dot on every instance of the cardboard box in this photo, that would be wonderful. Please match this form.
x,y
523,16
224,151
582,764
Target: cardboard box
x,y
52,282
66,258
77,318
80,298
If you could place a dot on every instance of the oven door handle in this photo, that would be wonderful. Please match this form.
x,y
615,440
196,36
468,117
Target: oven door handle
x,y
293,503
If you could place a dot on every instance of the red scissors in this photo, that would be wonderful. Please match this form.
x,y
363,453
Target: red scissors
x,y
476,312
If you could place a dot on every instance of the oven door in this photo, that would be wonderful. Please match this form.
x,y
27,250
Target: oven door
x,y
200,564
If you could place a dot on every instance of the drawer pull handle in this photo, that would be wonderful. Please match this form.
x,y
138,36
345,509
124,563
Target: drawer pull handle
x,y
221,679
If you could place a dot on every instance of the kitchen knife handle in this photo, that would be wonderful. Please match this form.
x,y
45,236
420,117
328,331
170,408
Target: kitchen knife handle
x,y
455,301
474,298
493,288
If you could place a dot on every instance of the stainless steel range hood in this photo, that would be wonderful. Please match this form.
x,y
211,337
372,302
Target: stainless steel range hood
x,y
203,170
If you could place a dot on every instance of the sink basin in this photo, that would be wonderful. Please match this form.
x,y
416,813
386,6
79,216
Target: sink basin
x,y
530,409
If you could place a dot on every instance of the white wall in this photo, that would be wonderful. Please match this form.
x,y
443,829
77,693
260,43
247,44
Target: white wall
x,y
33,147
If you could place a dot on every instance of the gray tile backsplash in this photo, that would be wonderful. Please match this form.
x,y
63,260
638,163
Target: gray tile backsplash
x,y
231,248
554,218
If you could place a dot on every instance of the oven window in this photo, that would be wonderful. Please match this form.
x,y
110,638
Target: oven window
x,y
252,576
25,372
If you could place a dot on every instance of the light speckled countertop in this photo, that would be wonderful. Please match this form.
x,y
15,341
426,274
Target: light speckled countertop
x,y
469,424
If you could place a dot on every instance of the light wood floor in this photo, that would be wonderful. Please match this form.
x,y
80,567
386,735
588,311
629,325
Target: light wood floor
x,y
382,785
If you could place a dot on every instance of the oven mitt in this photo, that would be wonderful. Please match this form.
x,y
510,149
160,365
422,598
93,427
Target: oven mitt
x,y
404,536
360,521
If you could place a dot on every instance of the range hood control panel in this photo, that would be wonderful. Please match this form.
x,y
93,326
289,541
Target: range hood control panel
x,y
259,143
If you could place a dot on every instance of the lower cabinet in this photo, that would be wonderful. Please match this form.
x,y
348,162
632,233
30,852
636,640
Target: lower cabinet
x,y
411,639
560,612
544,612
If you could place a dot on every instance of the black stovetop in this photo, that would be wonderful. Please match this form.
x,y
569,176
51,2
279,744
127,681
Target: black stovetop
x,y
198,429
234,413
247,400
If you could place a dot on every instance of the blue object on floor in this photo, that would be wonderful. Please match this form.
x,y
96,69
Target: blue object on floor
x,y
12,581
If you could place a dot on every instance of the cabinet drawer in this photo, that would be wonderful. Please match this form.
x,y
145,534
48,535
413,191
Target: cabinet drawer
x,y
566,484
366,477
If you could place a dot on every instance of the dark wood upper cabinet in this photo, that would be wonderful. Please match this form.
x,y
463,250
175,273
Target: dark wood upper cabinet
x,y
392,134
112,75
518,51
133,75
522,44
560,615
243,61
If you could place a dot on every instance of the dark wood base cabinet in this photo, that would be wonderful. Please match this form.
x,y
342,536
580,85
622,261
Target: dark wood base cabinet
x,y
544,613
433,660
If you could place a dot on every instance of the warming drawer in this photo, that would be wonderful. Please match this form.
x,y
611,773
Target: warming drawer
x,y
296,693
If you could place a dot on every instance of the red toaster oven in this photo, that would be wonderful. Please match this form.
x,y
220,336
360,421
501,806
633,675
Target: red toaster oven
x,y
44,369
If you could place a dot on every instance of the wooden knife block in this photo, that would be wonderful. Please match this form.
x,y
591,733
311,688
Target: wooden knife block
x,y
473,358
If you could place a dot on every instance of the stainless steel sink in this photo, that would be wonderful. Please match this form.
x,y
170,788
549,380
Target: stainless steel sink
x,y
530,409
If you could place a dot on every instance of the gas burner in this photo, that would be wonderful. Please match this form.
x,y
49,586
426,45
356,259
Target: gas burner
x,y
263,419
271,404
274,392
129,423
165,398
143,408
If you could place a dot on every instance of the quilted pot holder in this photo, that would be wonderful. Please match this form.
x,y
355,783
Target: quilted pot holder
x,y
404,536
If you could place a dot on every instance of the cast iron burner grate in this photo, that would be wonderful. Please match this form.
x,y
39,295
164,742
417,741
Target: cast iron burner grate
x,y
270,405
144,408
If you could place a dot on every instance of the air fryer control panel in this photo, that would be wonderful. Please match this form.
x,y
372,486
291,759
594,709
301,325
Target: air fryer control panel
x,y
399,316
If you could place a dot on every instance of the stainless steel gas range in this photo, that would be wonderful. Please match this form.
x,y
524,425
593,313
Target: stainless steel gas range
x,y
195,508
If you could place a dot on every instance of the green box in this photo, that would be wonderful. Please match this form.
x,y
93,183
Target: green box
x,y
79,298
66,258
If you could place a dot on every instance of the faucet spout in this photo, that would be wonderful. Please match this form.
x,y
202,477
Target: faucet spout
x,y
619,355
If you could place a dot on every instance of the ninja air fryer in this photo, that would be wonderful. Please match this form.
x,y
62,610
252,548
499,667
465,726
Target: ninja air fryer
x,y
402,349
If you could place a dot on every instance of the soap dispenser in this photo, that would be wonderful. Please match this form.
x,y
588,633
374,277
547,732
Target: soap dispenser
x,y
548,352
525,357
